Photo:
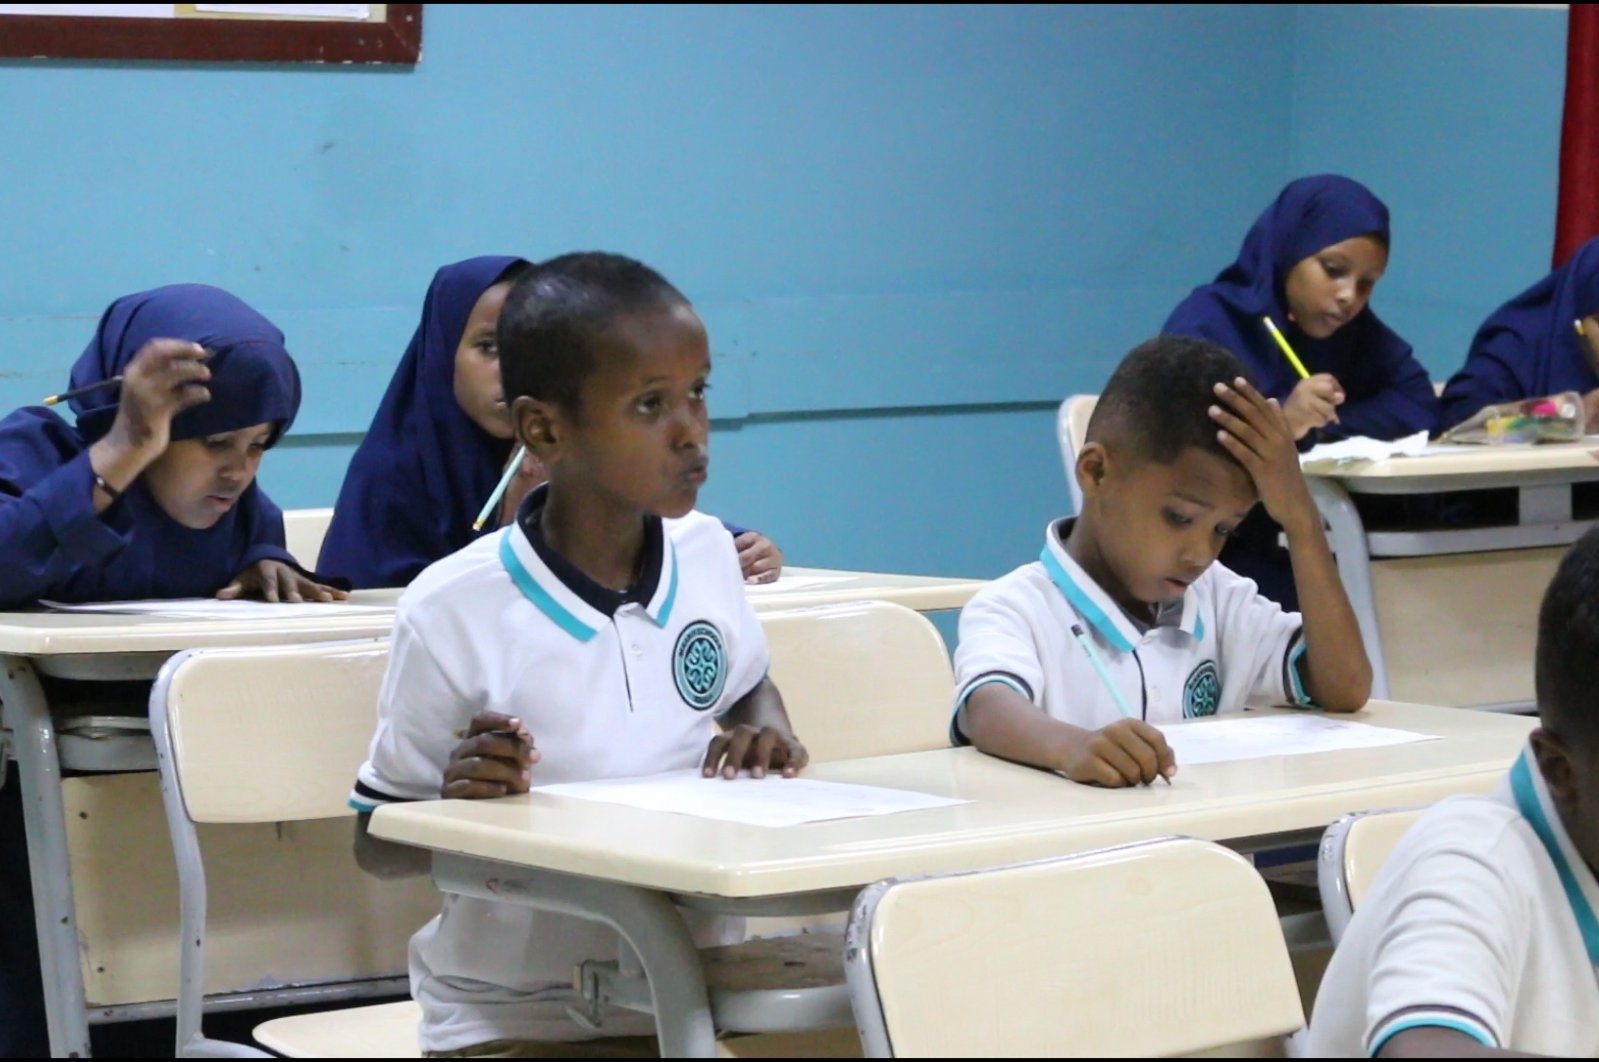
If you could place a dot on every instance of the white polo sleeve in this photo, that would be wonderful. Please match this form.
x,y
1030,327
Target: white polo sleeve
x,y
750,658
1451,939
996,644
1260,645
419,711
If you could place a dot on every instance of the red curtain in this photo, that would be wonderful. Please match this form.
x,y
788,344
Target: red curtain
x,y
1577,217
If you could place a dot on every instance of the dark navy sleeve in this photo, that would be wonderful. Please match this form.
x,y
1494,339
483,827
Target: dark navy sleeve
x,y
48,527
1402,404
1491,374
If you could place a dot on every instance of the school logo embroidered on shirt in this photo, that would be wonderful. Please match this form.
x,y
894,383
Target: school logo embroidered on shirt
x,y
1202,691
699,664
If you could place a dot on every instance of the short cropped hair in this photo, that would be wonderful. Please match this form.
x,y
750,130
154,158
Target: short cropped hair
x,y
556,315
1566,671
1157,403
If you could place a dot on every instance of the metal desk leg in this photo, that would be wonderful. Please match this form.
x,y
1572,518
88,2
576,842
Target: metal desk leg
x,y
27,717
1347,536
648,921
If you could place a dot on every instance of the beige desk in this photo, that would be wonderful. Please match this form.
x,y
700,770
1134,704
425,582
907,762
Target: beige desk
x,y
1493,575
102,648
809,587
611,862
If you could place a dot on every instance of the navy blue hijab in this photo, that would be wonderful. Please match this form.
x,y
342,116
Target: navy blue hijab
x,y
53,544
1529,347
1387,392
425,468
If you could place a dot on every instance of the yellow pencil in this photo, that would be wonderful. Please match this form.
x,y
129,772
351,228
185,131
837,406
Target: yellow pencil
x,y
1288,351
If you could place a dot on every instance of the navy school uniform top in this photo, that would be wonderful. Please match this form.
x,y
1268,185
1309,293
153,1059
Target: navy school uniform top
x,y
425,468
52,542
1529,347
1387,392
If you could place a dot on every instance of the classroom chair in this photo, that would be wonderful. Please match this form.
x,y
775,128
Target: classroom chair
x,y
304,530
1166,947
1352,852
1071,427
304,716
266,736
868,678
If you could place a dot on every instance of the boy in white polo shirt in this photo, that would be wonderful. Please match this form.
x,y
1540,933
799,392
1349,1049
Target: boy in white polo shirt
x,y
589,639
1126,620
1480,935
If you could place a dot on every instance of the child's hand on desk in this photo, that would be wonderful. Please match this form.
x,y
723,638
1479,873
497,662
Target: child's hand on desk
x,y
1257,434
758,750
272,580
494,759
1128,752
758,557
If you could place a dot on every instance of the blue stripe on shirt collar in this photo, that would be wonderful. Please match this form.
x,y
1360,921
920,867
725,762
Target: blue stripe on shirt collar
x,y
1540,816
537,594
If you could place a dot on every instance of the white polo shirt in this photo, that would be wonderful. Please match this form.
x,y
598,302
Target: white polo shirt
x,y
1220,646
1482,921
610,685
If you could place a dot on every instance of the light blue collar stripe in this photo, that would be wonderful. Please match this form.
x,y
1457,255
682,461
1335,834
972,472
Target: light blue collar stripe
x,y
1083,604
665,615
1199,628
1459,1025
1533,810
537,594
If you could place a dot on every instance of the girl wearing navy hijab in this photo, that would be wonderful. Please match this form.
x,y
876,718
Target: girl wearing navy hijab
x,y
1542,342
152,494
1310,263
441,440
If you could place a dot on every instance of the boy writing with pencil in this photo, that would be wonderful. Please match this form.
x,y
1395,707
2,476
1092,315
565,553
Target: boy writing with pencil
x,y
588,639
1126,620
1480,935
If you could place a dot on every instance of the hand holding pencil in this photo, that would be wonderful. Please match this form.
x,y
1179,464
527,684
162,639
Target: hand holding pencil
x,y
1314,401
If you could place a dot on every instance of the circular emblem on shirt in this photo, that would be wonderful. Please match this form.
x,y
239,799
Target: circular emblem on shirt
x,y
699,665
1202,691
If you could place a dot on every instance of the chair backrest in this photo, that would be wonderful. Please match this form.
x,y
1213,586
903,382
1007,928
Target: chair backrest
x,y
868,678
1166,947
267,734
1352,852
304,530
247,736
1071,426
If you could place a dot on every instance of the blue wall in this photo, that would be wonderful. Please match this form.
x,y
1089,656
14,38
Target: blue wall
x,y
1452,115
911,230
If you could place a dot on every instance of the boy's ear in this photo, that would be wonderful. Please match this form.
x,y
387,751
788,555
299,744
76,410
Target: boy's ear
x,y
539,427
1093,467
1556,765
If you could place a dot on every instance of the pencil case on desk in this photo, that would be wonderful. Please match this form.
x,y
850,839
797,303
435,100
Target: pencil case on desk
x,y
1558,418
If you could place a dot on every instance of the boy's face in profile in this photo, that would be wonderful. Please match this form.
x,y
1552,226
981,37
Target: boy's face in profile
x,y
1159,526
640,437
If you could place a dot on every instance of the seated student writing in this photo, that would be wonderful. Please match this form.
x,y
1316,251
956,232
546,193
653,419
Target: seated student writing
x,y
556,645
440,441
1480,934
1179,449
1310,264
152,493
1542,342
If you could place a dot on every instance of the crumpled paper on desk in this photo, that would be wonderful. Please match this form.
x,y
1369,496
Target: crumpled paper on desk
x,y
1361,448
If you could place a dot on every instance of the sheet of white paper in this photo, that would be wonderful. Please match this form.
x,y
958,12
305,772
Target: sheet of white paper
x,y
1253,738
1362,448
353,12
211,608
786,583
770,801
